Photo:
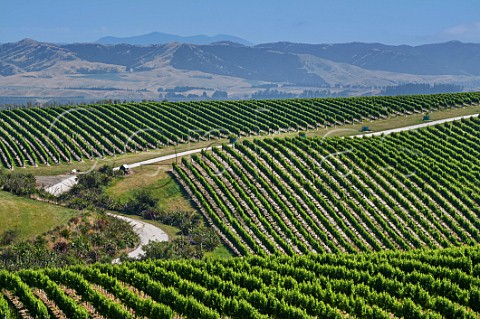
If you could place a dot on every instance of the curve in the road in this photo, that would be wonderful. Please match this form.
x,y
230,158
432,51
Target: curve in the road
x,y
147,232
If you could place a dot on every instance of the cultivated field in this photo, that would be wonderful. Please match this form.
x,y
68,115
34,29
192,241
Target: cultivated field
x,y
415,284
406,190
323,225
46,136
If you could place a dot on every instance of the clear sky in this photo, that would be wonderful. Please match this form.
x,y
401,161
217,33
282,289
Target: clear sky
x,y
258,21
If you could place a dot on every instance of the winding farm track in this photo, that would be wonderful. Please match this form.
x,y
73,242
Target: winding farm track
x,y
147,232
166,157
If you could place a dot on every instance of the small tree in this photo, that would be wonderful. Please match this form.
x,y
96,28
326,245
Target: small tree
x,y
22,184
143,204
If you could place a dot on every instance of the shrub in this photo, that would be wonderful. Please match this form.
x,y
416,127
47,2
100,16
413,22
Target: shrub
x,y
9,236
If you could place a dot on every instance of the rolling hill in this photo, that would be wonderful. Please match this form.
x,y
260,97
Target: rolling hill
x,y
373,227
455,58
405,190
163,38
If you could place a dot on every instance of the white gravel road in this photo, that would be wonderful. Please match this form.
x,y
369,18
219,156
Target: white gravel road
x,y
66,184
62,187
166,157
413,127
147,232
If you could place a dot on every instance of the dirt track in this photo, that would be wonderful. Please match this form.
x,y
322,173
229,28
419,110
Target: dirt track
x,y
147,232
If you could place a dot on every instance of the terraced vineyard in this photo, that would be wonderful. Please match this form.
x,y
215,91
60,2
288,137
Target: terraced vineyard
x,y
415,284
62,134
412,189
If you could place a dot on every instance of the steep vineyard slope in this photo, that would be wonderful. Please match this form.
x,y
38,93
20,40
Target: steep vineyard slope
x,y
412,189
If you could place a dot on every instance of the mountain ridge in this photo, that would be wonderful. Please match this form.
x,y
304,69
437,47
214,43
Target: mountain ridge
x,y
163,38
433,59
32,68
449,58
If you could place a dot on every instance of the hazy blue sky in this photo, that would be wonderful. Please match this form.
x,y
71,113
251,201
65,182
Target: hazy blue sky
x,y
259,21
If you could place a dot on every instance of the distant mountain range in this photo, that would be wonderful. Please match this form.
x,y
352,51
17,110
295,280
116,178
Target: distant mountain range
x,y
28,67
163,38
433,59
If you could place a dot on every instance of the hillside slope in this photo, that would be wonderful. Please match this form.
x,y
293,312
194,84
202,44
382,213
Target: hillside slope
x,y
406,190
440,58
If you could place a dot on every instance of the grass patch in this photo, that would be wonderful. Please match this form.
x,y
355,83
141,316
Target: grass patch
x,y
30,217
155,178
220,252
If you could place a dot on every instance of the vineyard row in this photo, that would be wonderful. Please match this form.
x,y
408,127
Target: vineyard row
x,y
417,284
64,134
406,190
